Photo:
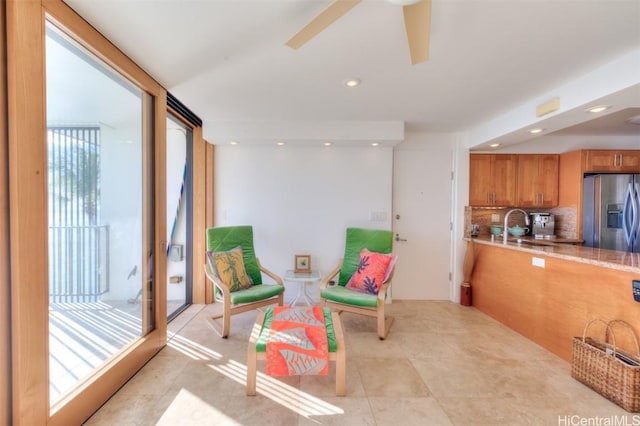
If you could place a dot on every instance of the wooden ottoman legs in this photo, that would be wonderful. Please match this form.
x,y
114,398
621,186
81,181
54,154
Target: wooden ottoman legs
x,y
252,355
340,356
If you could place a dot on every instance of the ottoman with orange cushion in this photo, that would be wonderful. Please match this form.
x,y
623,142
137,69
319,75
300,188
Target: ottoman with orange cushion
x,y
257,349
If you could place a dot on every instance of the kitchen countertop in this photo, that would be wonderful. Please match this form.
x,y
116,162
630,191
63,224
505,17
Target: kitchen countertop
x,y
546,241
619,260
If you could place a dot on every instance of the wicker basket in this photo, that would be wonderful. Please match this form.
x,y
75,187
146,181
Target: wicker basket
x,y
600,365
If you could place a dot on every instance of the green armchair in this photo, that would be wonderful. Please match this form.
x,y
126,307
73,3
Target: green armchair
x,y
235,301
340,298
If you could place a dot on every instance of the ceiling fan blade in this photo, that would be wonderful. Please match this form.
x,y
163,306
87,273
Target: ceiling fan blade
x,y
417,22
329,15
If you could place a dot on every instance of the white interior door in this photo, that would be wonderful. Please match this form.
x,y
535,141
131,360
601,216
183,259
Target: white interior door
x,y
422,216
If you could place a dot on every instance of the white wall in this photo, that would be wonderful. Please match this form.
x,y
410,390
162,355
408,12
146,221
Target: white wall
x,y
300,200
460,200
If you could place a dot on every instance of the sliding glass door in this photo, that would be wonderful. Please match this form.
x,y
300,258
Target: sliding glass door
x,y
99,230
86,138
179,214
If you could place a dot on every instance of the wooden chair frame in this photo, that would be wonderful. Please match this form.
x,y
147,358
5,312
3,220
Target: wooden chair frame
x,y
383,321
229,309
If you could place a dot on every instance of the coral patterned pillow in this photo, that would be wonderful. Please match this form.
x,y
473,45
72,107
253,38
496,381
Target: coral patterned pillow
x,y
372,271
229,267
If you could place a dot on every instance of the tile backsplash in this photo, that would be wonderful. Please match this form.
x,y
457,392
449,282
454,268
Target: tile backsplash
x,y
565,219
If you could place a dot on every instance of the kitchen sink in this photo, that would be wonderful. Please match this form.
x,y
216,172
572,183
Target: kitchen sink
x,y
532,242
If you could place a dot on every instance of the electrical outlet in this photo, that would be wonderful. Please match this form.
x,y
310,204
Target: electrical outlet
x,y
495,217
636,290
537,261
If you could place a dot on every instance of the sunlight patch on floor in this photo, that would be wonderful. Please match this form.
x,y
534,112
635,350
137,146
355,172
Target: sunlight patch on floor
x,y
183,399
193,350
294,399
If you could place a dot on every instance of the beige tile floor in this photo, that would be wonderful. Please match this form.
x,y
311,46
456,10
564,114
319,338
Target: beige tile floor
x,y
442,364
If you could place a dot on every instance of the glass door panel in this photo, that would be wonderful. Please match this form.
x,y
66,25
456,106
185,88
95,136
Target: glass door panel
x,y
179,290
99,230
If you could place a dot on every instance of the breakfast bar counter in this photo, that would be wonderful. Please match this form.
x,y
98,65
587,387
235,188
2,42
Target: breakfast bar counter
x,y
562,248
549,293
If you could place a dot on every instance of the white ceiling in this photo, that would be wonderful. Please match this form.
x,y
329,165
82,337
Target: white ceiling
x,y
227,61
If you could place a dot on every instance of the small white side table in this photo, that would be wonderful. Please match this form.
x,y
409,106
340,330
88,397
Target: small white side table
x,y
304,279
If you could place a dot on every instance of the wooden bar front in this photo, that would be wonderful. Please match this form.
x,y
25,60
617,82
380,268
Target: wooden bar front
x,y
551,305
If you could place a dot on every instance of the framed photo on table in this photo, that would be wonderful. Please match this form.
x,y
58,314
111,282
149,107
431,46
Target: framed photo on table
x,y
302,263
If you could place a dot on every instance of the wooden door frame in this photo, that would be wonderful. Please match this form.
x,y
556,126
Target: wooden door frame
x,y
199,208
28,220
5,344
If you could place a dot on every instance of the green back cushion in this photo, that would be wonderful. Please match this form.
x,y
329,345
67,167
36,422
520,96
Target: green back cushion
x,y
377,240
228,237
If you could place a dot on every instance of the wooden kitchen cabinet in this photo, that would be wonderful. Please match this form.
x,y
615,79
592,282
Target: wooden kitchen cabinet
x,y
616,161
492,180
537,180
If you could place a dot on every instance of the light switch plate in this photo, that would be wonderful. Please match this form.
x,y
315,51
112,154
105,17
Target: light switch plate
x,y
176,252
537,261
378,216
495,217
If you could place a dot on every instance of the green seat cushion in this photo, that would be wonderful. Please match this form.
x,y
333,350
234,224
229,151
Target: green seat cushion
x,y
255,293
261,343
341,294
225,238
376,240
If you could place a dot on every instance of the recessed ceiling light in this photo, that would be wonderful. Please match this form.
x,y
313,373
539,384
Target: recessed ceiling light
x,y
534,131
327,144
352,82
494,145
403,2
598,108
280,143
234,142
634,120
375,143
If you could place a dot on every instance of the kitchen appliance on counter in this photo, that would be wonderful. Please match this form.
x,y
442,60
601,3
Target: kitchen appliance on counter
x,y
611,212
542,225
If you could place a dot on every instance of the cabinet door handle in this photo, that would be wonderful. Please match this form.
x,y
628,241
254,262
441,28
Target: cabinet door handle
x,y
542,198
617,160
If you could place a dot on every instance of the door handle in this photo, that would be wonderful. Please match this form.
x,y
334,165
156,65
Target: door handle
x,y
628,213
400,239
635,225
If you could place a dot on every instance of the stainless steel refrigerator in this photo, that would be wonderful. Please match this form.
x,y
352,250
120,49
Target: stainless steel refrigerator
x,y
611,212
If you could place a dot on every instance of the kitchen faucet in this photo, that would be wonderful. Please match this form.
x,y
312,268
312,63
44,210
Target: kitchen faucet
x,y
505,230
